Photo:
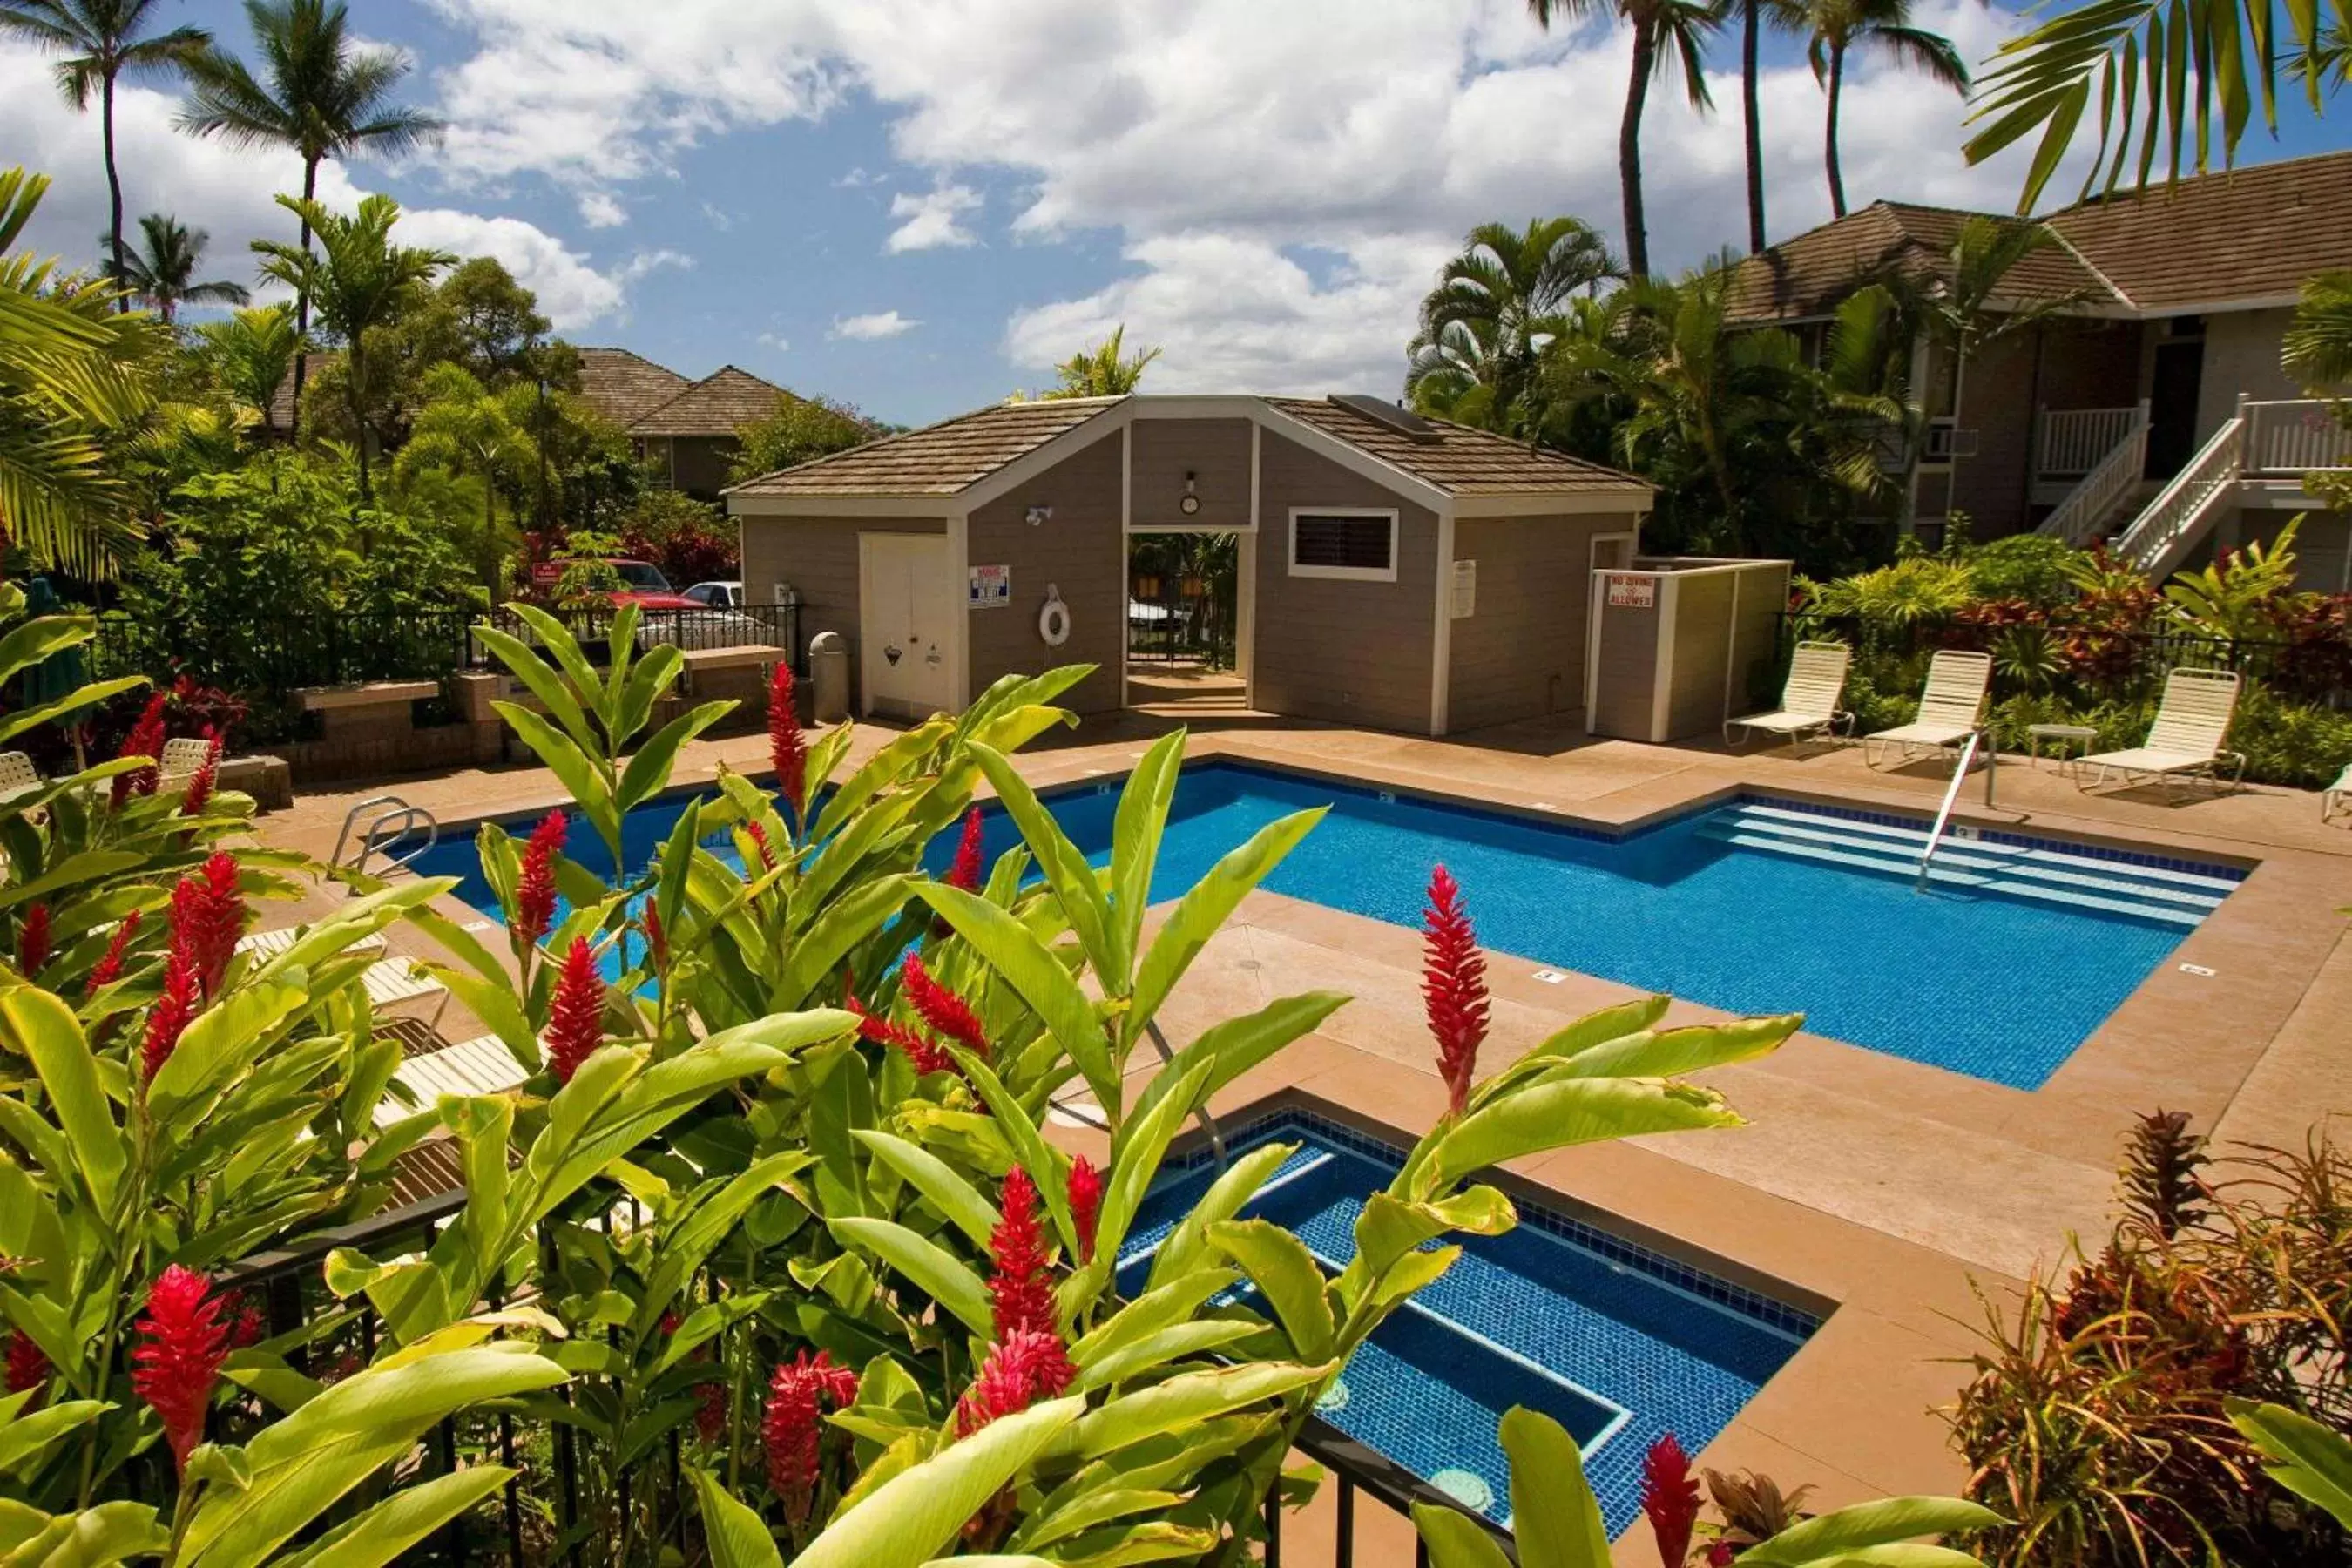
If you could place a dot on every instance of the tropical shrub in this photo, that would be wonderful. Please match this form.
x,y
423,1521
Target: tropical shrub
x,y
2102,1418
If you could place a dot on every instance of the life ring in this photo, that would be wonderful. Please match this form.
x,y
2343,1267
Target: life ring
x,y
1053,620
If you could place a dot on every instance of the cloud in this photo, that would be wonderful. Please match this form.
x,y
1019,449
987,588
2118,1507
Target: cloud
x,y
867,329
932,219
600,209
228,193
776,340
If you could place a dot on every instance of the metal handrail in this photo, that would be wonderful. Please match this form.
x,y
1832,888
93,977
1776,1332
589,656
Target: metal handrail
x,y
1944,814
1201,1113
2164,522
382,833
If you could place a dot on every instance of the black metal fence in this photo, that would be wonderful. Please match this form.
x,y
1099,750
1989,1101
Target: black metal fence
x,y
274,655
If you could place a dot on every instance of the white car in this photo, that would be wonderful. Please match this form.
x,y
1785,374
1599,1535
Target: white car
x,y
717,595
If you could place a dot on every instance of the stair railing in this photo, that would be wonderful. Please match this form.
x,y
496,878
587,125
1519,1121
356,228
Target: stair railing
x,y
1944,813
2169,525
2096,495
385,832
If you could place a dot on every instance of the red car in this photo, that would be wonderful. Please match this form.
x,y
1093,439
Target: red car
x,y
643,585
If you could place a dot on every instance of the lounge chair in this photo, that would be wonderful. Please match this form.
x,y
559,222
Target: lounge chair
x,y
1949,708
474,1066
2333,799
1809,703
17,775
181,759
386,981
2185,742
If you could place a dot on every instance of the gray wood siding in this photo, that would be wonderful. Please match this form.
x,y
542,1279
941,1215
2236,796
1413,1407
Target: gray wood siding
x,y
1215,452
1079,550
1521,653
1756,639
818,557
1353,652
1702,647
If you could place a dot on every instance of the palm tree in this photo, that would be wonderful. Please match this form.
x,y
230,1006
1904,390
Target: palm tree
x,y
1837,27
1493,308
1100,371
2317,347
465,430
1751,119
252,354
74,374
101,42
1667,32
162,271
320,94
359,279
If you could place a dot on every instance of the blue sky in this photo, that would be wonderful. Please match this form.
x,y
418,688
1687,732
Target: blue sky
x,y
918,207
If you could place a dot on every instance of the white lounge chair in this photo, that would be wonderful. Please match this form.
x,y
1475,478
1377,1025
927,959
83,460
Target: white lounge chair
x,y
475,1067
1949,708
2185,742
2333,797
17,775
1809,703
386,981
181,759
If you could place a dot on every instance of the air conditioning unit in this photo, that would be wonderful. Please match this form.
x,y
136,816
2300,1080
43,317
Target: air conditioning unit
x,y
1947,441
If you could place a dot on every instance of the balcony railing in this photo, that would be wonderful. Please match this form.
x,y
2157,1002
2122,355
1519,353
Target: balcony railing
x,y
2294,436
2074,441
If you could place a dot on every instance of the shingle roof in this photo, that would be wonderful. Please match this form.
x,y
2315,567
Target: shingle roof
x,y
937,460
624,386
1465,461
719,404
1809,274
2248,234
947,458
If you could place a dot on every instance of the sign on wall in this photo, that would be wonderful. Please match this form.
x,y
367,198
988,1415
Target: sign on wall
x,y
1633,591
1465,590
991,588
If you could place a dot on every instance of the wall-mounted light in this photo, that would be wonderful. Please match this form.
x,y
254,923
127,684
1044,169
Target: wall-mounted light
x,y
1191,503
1037,514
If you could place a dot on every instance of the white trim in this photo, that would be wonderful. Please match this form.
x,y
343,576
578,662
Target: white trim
x,y
959,581
1126,543
1662,668
927,508
1246,586
1591,649
989,487
1556,503
1346,573
1441,645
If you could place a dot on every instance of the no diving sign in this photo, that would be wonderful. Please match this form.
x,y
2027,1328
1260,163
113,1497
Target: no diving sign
x,y
1633,591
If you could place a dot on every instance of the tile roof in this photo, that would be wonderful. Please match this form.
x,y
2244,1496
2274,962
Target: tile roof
x,y
937,460
2247,234
719,404
1807,275
1462,461
624,386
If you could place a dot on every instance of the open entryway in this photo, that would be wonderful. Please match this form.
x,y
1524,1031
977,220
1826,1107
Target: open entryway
x,y
1186,636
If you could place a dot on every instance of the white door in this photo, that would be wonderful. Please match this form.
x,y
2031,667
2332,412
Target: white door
x,y
907,622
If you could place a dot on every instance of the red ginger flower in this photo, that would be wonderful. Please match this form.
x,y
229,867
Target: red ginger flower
x,y
575,1018
535,882
209,915
966,872
657,939
757,834
145,740
793,1433
183,1343
200,784
27,1367
1086,1190
1453,987
921,1050
173,1011
1022,1368
941,1009
1670,1496
109,967
1020,1289
33,941
1721,1555
787,747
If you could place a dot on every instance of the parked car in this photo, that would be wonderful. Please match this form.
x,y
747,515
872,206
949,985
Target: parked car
x,y
642,584
719,595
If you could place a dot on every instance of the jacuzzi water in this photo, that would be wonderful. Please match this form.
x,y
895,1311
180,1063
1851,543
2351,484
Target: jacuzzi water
x,y
1618,1343
2000,988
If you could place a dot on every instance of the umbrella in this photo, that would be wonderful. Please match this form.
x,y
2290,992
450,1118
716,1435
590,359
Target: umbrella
x,y
62,673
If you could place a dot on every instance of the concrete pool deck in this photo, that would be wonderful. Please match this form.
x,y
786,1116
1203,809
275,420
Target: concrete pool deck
x,y
1886,1189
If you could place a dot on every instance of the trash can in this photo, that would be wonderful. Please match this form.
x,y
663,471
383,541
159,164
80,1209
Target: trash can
x,y
829,678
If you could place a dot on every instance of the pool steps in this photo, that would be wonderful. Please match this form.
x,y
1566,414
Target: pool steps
x,y
2051,875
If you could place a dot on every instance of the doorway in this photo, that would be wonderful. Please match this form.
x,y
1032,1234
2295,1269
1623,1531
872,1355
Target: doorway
x,y
907,619
1184,632
2172,407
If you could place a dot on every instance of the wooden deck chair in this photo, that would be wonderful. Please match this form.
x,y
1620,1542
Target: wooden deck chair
x,y
2185,742
475,1067
1809,702
1949,708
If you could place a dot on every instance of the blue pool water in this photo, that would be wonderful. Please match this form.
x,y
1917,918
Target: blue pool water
x,y
1998,988
1620,1345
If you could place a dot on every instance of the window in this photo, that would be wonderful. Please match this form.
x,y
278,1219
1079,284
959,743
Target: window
x,y
1350,543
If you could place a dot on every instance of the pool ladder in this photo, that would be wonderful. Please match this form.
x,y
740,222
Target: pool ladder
x,y
1952,798
387,833
1092,1114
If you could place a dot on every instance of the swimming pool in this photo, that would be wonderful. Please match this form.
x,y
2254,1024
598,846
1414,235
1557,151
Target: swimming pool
x,y
2010,959
1619,1343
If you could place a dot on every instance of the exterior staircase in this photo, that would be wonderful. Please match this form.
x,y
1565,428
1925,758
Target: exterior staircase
x,y
2157,893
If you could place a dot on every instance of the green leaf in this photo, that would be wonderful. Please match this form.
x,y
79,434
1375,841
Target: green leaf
x,y
905,1521
1181,1402
1204,907
1865,1525
737,1536
1233,1046
938,1272
1557,1114
1135,1154
2305,1458
1074,882
1134,1359
648,771
949,1193
225,1039
43,1029
1143,805
383,1533
1457,1541
94,1538
1046,1167
1239,1184
1287,1274
1553,1511
1031,969
1674,1052
580,776
544,683
22,1435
